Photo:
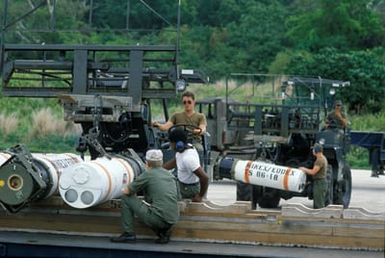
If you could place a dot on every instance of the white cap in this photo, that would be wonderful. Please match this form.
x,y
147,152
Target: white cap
x,y
154,155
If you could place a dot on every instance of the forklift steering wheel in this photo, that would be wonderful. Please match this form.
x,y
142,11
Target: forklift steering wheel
x,y
189,129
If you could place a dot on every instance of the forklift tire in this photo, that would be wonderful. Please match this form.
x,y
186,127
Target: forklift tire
x,y
243,191
329,184
343,189
255,196
269,199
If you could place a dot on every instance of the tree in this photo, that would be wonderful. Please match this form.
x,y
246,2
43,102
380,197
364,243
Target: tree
x,y
342,24
257,36
364,69
37,27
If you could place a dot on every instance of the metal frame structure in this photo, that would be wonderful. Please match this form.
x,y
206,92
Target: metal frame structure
x,y
281,128
107,89
82,70
136,55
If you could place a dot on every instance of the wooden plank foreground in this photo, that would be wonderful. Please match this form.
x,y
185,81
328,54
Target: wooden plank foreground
x,y
295,225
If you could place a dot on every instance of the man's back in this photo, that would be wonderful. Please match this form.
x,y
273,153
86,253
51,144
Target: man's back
x,y
187,162
160,191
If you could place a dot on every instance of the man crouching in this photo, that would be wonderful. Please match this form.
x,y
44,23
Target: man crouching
x,y
159,210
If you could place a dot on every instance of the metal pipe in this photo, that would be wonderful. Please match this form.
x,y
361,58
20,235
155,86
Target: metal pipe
x,y
90,13
3,28
11,23
53,15
90,183
128,15
178,43
262,174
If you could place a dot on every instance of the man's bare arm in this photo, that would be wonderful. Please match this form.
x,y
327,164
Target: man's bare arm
x,y
163,127
170,164
312,171
204,184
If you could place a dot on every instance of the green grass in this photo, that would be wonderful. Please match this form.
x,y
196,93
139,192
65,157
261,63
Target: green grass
x,y
53,144
48,143
24,109
369,122
246,91
358,157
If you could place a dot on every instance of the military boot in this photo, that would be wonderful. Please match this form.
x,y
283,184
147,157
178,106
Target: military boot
x,y
164,236
375,173
126,237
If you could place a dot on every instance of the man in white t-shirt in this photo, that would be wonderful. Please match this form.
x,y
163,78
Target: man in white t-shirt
x,y
193,181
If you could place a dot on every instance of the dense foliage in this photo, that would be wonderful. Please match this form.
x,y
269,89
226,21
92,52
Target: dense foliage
x,y
334,39
364,69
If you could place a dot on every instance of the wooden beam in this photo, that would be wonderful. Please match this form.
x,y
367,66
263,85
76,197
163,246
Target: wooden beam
x,y
209,222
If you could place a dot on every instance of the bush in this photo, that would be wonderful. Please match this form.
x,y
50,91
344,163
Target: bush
x,y
364,69
8,124
53,144
44,123
358,158
42,131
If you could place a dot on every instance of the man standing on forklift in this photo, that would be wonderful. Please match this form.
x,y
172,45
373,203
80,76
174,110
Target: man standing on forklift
x,y
318,172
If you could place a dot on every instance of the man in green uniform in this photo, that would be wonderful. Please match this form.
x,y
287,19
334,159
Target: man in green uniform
x,y
159,210
190,117
319,177
336,118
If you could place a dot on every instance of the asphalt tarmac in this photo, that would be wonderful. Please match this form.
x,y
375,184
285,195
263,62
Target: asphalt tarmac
x,y
55,245
367,192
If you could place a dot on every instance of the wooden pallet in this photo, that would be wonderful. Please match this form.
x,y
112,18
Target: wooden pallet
x,y
294,225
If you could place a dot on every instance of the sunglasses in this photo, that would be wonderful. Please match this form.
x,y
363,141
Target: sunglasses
x,y
187,102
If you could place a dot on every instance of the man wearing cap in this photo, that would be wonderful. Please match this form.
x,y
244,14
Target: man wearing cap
x,y
318,172
159,210
193,181
336,118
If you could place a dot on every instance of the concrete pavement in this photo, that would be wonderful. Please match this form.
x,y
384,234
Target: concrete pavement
x,y
367,192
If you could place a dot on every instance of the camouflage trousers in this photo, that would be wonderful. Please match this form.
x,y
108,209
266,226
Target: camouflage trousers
x,y
319,192
188,191
132,205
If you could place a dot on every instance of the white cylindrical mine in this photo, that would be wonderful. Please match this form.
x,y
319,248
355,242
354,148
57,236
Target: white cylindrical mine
x,y
4,157
270,175
93,182
55,164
